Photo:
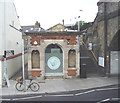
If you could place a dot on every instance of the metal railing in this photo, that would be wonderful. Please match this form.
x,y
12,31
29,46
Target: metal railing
x,y
91,52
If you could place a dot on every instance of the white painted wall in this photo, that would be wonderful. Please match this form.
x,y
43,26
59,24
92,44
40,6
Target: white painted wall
x,y
12,36
8,16
0,74
1,27
15,64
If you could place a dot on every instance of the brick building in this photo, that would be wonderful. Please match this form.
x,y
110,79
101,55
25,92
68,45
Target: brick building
x,y
53,54
30,28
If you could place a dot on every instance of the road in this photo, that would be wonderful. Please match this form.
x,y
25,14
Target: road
x,y
94,95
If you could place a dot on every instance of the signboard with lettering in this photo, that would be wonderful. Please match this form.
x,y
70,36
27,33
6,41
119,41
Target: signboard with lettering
x,y
9,53
101,61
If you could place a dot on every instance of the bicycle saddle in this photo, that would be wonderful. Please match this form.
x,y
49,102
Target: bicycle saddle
x,y
31,79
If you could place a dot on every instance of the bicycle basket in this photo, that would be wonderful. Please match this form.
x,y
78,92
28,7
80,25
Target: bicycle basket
x,y
19,79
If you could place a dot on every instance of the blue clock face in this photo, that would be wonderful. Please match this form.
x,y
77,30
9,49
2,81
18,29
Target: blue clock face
x,y
53,63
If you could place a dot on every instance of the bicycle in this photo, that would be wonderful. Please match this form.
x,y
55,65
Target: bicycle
x,y
34,86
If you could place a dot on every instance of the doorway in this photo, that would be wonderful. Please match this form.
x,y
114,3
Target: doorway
x,y
53,60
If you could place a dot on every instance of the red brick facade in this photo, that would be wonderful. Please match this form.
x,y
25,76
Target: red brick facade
x,y
71,38
36,73
72,72
67,40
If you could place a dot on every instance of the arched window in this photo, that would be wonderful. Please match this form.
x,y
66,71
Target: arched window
x,y
35,59
53,48
72,59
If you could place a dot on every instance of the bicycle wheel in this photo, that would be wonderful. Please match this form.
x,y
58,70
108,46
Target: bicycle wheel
x,y
19,86
34,86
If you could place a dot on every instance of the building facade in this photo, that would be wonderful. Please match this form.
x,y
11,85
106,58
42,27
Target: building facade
x,y
30,28
10,40
53,54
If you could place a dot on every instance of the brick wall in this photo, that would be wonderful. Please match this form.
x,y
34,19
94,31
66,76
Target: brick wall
x,y
36,73
72,72
71,38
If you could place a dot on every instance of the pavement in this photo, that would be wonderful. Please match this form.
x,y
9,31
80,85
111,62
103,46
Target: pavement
x,y
62,85
59,85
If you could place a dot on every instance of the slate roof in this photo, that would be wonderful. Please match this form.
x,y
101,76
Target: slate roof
x,y
72,26
31,29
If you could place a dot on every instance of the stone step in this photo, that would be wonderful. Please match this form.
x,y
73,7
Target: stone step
x,y
53,77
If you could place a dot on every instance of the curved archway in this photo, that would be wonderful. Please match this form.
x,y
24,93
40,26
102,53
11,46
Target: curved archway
x,y
53,60
53,46
114,43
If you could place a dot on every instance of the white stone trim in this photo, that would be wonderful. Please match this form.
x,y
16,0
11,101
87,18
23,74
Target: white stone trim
x,y
65,48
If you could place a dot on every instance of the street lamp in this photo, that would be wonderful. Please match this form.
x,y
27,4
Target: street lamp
x,y
78,20
78,23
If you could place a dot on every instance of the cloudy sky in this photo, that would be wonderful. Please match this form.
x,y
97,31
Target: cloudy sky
x,y
51,12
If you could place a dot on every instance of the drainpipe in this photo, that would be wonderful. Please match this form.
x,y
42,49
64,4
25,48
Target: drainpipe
x,y
4,45
105,39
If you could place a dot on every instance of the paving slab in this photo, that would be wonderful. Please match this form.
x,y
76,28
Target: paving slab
x,y
62,85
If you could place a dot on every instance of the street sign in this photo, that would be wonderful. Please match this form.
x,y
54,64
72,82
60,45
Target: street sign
x,y
9,53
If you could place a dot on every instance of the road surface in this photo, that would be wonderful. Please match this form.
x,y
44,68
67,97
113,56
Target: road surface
x,y
98,95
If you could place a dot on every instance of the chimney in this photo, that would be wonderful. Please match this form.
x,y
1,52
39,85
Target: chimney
x,y
63,21
37,24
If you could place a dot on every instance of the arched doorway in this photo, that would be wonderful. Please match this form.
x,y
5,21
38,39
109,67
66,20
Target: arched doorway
x,y
53,60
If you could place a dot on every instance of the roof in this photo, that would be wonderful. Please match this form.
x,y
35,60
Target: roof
x,y
31,28
71,26
53,33
67,25
55,26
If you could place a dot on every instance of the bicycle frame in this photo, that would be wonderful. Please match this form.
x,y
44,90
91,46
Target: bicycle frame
x,y
28,86
34,86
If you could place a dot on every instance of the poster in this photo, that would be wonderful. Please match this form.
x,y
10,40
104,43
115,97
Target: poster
x,y
101,61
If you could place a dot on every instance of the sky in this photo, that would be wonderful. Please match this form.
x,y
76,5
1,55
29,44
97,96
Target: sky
x,y
52,12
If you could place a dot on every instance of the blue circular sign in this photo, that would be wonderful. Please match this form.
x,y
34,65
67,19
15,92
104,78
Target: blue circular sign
x,y
53,63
